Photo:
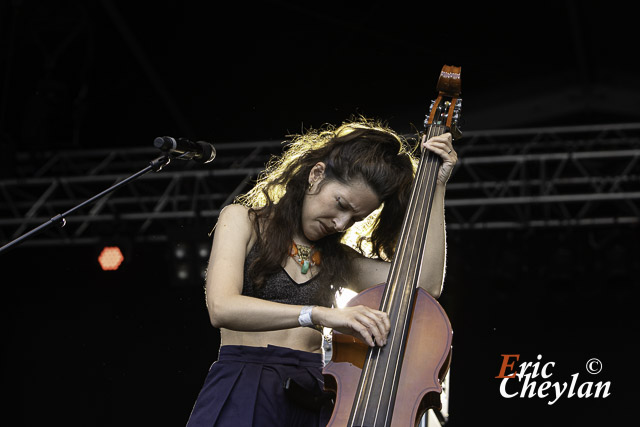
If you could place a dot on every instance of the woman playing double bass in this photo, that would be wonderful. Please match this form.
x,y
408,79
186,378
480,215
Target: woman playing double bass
x,y
278,258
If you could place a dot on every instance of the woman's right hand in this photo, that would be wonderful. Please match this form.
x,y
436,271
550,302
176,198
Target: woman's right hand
x,y
365,323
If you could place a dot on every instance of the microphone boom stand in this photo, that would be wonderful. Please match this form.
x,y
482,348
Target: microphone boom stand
x,y
155,165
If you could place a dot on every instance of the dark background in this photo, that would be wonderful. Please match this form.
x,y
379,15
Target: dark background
x,y
85,347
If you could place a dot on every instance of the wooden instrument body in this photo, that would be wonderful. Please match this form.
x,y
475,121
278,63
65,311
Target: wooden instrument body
x,y
426,361
395,384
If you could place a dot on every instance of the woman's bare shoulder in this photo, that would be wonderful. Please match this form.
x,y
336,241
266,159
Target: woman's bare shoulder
x,y
235,209
238,215
351,252
235,220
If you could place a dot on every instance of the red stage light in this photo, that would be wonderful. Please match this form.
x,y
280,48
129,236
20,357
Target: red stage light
x,y
110,258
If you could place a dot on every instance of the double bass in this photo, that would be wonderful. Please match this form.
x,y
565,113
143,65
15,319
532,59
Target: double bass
x,y
396,384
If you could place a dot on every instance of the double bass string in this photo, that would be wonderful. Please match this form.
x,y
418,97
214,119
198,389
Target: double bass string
x,y
382,376
410,244
415,247
421,209
419,205
367,383
367,387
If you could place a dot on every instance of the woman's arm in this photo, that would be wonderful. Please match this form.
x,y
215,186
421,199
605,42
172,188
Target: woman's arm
x,y
229,309
371,272
431,276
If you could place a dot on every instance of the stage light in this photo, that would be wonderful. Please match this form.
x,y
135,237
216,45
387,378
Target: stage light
x,y
188,253
203,250
180,250
110,258
183,271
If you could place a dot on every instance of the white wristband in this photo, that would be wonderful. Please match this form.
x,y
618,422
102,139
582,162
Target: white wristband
x,y
305,316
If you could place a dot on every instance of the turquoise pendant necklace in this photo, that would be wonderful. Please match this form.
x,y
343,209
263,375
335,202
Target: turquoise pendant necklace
x,y
305,256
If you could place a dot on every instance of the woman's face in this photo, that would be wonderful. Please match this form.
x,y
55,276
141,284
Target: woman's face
x,y
333,207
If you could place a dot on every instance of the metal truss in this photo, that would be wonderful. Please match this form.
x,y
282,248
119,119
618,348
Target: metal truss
x,y
547,177
183,194
525,178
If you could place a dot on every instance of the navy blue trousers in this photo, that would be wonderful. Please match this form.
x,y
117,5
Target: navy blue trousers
x,y
244,388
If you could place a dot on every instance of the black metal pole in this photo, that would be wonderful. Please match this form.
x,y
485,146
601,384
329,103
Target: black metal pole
x,y
60,219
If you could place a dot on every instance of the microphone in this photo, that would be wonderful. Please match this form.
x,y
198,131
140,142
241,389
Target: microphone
x,y
183,149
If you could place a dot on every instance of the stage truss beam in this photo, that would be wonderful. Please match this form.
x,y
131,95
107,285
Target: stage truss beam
x,y
509,179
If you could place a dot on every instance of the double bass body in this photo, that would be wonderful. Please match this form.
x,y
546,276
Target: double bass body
x,y
426,362
395,384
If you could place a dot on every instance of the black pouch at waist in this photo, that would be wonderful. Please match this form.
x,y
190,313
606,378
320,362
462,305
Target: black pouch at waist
x,y
309,399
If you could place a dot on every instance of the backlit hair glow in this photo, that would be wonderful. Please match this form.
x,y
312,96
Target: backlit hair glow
x,y
270,181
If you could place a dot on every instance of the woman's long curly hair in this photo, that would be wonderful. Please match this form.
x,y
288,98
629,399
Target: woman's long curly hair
x,y
358,149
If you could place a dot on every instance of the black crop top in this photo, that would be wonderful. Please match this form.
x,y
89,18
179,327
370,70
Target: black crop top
x,y
280,287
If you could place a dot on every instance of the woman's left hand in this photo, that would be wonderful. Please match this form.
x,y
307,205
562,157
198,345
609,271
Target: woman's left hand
x,y
442,146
